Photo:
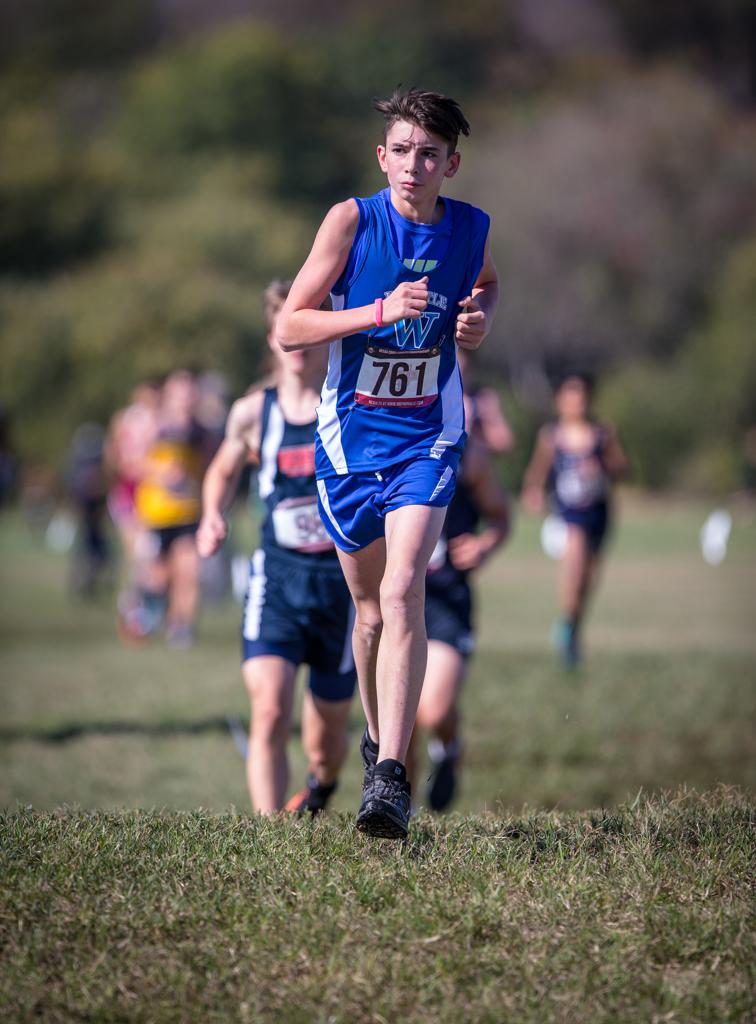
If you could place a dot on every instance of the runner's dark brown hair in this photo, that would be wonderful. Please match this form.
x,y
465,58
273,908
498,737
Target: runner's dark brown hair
x,y
432,111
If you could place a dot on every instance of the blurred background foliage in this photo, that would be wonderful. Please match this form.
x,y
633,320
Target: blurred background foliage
x,y
161,160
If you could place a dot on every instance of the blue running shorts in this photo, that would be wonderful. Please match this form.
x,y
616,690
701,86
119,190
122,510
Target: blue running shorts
x,y
354,507
303,613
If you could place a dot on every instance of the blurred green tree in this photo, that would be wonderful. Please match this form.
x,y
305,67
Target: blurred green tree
x,y
246,90
612,212
55,205
684,421
150,187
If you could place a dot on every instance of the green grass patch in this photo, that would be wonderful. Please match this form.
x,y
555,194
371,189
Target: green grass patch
x,y
569,886
640,913
667,696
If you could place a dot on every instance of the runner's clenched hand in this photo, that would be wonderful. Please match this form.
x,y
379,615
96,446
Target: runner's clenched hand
x,y
472,324
406,302
211,533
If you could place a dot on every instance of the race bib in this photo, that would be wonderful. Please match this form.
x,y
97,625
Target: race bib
x,y
391,379
297,526
578,490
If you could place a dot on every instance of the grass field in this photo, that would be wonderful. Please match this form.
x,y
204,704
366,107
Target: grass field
x,y
643,914
667,695
568,886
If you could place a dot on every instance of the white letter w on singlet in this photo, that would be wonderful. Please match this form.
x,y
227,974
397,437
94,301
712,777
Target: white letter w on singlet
x,y
417,330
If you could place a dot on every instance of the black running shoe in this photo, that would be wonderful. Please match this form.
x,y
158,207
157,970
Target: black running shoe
x,y
385,808
312,799
369,751
442,784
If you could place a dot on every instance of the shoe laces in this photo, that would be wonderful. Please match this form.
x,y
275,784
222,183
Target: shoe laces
x,y
391,790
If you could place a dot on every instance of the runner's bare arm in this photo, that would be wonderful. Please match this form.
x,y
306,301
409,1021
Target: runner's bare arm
x,y
302,324
613,455
537,472
470,551
497,433
222,477
479,308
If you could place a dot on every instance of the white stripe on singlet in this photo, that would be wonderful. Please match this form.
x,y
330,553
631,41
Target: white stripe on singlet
x,y
269,451
255,596
329,425
452,414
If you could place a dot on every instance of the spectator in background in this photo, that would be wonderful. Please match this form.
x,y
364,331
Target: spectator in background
x,y
582,458
87,488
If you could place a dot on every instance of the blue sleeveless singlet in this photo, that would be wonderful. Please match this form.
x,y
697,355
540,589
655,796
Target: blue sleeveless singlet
x,y
394,393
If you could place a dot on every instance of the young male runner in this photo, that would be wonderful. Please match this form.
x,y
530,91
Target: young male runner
x,y
410,276
298,609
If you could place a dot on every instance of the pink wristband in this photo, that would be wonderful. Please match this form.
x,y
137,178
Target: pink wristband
x,y
379,312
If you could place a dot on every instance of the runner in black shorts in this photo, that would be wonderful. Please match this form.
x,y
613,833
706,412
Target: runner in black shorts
x,y
462,549
297,609
167,502
580,458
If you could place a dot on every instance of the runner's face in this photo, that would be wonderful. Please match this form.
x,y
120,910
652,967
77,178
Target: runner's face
x,y
572,399
180,393
416,162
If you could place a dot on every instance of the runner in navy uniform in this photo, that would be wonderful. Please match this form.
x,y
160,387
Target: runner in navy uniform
x,y
411,277
581,459
297,608
449,615
484,418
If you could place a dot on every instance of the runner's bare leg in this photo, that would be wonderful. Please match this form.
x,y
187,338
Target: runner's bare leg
x,y
411,535
270,684
363,571
324,735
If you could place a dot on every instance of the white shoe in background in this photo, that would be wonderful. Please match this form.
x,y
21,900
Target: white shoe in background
x,y
715,533
554,536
